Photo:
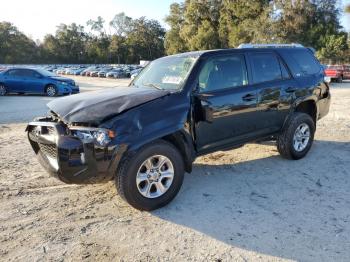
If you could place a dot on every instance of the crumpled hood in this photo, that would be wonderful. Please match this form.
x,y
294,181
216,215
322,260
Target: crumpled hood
x,y
93,107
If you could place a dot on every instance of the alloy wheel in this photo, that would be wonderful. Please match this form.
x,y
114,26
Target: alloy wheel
x,y
2,90
51,91
301,137
155,176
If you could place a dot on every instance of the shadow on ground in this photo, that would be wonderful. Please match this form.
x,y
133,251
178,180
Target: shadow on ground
x,y
290,209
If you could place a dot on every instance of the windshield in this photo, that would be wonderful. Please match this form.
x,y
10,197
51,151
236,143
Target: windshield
x,y
45,72
166,73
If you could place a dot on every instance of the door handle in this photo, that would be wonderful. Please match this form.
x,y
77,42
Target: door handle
x,y
249,97
291,90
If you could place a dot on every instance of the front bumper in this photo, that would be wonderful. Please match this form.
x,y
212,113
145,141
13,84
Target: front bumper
x,y
68,89
68,158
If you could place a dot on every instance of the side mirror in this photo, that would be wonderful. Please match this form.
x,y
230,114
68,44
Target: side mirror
x,y
203,108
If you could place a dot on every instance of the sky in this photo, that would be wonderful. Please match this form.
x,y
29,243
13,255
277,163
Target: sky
x,y
36,18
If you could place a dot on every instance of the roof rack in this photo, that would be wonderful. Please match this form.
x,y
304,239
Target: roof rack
x,y
268,45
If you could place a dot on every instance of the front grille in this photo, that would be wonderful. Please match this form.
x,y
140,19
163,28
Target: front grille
x,y
48,150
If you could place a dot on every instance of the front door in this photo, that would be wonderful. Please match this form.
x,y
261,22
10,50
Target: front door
x,y
32,81
225,104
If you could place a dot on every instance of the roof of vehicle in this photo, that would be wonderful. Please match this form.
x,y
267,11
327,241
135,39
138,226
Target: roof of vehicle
x,y
255,48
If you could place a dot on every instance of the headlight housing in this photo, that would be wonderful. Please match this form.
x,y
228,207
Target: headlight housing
x,y
99,136
63,83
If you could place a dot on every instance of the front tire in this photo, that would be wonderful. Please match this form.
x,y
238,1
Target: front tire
x,y
51,91
297,137
3,90
152,177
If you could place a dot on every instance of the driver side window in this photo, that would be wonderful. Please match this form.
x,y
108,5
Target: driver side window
x,y
223,72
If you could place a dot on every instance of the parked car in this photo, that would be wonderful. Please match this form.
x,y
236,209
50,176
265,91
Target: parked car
x,y
338,73
84,72
35,81
104,71
147,135
92,70
116,73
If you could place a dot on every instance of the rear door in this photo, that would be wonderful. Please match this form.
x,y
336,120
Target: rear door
x,y
275,88
13,80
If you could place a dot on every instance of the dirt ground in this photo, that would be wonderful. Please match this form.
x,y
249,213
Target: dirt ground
x,y
247,204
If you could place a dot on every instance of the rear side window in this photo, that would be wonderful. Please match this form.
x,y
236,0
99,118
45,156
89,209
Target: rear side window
x,y
15,72
223,72
265,67
301,62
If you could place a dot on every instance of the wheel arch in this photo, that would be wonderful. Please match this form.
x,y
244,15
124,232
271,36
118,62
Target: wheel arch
x,y
185,147
180,139
49,84
308,107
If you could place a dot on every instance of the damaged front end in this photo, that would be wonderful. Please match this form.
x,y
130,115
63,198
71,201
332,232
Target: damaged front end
x,y
74,154
74,145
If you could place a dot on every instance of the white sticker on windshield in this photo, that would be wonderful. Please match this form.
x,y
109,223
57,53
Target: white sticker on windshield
x,y
172,80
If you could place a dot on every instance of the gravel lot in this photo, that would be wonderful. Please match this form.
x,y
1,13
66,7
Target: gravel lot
x,y
247,204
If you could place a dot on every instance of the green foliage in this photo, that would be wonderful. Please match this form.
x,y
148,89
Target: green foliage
x,y
122,24
15,47
207,24
173,43
194,25
132,40
334,49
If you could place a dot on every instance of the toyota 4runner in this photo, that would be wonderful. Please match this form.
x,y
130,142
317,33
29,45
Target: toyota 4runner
x,y
179,107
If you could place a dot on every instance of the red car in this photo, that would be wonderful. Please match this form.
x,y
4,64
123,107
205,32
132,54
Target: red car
x,y
338,73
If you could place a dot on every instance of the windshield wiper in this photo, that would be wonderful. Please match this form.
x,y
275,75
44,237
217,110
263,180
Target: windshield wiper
x,y
153,85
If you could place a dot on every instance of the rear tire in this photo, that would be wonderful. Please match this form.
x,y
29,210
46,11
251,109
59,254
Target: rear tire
x,y
296,139
152,177
3,90
51,91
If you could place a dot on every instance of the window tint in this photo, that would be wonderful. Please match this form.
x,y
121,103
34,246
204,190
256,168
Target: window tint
x,y
301,62
306,61
15,72
223,72
285,73
265,67
28,73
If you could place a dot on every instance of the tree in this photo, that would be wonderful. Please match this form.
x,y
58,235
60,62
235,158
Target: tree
x,y
15,47
145,41
173,42
241,20
97,25
67,46
333,51
200,24
122,24
117,49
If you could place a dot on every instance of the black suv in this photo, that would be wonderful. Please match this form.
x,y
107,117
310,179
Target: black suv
x,y
179,107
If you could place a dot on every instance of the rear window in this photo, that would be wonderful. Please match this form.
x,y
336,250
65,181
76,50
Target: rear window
x,y
301,62
265,67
